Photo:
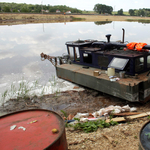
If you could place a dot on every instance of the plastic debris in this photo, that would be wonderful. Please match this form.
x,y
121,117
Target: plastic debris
x,y
13,127
81,115
133,109
114,79
126,108
32,121
110,77
117,79
102,114
84,119
113,109
22,128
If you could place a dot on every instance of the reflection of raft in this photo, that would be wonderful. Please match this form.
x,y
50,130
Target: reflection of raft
x,y
87,56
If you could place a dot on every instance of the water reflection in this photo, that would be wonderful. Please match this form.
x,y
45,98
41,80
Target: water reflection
x,y
102,22
21,46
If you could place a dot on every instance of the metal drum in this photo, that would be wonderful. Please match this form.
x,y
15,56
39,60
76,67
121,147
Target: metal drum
x,y
32,129
144,137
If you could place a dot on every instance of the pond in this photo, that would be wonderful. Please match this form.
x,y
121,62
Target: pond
x,y
21,45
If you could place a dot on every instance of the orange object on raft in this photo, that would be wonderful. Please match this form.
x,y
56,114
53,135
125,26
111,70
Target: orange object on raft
x,y
136,46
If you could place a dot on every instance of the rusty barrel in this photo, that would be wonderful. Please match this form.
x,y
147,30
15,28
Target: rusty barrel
x,y
32,129
144,137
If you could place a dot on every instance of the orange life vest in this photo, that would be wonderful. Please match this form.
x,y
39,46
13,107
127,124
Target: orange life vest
x,y
136,46
131,45
139,46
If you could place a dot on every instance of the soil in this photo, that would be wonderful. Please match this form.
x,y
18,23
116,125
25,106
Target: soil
x,y
124,136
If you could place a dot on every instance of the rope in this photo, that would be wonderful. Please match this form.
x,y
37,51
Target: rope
x,y
53,60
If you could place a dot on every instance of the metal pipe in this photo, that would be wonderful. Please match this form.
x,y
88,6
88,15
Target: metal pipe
x,y
123,35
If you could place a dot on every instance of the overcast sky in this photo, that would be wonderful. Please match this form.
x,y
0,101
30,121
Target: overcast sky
x,y
89,4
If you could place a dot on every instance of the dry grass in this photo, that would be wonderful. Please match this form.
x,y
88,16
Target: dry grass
x,y
31,16
109,18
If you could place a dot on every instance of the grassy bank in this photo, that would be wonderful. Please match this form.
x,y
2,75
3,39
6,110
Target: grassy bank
x,y
110,18
10,19
45,18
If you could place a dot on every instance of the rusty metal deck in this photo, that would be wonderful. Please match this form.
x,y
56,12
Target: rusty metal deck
x,y
130,89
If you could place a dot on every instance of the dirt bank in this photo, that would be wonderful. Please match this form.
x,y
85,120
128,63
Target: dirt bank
x,y
124,135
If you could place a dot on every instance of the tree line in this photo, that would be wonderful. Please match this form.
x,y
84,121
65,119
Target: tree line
x,y
98,8
30,8
104,9
140,12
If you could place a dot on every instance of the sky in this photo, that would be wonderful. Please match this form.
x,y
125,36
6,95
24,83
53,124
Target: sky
x,y
89,4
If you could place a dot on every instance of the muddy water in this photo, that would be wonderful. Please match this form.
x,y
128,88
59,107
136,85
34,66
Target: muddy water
x,y
21,46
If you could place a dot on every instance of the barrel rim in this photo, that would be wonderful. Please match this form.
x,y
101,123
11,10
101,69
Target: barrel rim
x,y
20,111
140,134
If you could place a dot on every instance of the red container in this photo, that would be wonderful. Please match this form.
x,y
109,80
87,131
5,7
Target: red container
x,y
37,134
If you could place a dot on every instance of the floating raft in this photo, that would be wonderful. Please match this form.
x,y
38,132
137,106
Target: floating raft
x,y
132,89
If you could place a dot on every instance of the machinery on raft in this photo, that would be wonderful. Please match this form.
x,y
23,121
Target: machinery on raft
x,y
118,69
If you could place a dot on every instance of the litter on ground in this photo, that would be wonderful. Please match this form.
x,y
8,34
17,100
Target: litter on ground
x,y
13,127
103,113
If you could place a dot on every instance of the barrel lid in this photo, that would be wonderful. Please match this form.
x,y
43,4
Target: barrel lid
x,y
35,129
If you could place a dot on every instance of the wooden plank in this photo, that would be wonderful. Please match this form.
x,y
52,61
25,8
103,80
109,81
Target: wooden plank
x,y
117,119
120,119
139,115
127,114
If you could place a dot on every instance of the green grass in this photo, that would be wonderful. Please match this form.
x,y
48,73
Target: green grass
x,y
26,90
138,20
77,19
88,12
125,13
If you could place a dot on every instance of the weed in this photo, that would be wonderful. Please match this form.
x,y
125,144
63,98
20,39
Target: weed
x,y
112,114
57,93
64,113
42,93
25,89
53,81
35,84
148,117
92,126
4,96
148,135
135,137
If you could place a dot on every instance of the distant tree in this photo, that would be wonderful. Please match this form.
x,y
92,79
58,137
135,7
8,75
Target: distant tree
x,y
6,9
15,10
23,7
120,12
141,12
101,9
24,10
131,12
52,9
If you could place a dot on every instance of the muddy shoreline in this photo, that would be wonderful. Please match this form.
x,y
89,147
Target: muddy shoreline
x,y
125,135
86,101
13,19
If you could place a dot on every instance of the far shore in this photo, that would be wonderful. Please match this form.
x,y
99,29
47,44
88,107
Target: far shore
x,y
10,19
